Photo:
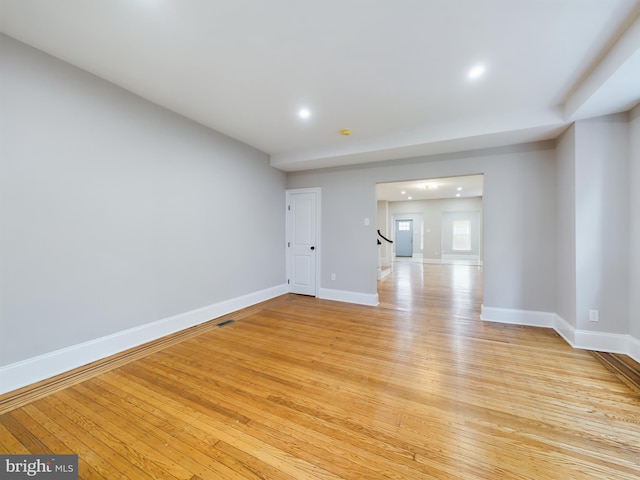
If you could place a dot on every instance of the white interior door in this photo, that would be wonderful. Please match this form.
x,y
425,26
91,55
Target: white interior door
x,y
302,241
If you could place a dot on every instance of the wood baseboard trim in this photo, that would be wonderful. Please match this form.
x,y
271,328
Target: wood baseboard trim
x,y
623,367
20,397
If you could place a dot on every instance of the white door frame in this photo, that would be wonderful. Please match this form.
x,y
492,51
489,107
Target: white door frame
x,y
318,250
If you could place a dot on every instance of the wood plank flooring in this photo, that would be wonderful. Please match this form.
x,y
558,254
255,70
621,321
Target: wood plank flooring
x,y
302,388
625,368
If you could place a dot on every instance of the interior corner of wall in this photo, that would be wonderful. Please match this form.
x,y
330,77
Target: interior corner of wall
x,y
565,330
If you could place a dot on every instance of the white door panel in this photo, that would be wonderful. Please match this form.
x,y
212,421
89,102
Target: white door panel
x,y
302,270
302,248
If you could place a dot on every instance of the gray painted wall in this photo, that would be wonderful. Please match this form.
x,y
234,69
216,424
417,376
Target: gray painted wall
x,y
597,215
519,219
116,212
602,222
634,224
566,227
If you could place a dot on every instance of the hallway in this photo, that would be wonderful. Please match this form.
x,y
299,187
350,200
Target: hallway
x,y
412,285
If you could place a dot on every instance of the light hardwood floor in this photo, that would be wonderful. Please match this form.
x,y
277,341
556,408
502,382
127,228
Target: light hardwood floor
x,y
301,388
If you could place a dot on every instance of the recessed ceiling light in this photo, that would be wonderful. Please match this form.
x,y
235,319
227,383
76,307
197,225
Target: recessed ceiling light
x,y
477,71
459,188
457,194
403,192
409,198
304,113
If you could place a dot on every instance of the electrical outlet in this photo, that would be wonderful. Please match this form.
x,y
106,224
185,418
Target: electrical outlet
x,y
594,316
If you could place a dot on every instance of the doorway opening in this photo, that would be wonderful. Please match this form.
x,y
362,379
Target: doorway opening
x,y
430,221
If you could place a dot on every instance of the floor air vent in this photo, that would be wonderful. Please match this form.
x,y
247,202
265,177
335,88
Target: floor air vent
x,y
226,322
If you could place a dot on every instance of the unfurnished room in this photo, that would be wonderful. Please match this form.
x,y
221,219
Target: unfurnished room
x,y
364,239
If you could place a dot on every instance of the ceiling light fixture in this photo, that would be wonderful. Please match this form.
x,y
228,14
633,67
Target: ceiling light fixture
x,y
477,71
304,113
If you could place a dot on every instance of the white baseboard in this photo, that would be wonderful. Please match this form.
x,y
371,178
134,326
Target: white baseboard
x,y
35,369
581,339
602,342
370,299
383,272
634,348
32,370
434,261
598,341
438,261
459,259
517,317
565,330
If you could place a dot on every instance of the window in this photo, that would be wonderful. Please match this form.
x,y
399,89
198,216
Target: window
x,y
404,226
461,235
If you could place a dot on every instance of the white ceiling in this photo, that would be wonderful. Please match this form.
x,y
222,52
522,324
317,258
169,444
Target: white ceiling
x,y
394,72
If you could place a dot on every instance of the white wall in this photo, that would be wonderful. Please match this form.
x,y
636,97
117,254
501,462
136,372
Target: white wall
x,y
602,223
116,212
634,224
519,219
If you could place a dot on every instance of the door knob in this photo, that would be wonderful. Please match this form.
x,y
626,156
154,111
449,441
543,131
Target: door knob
x,y
313,248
